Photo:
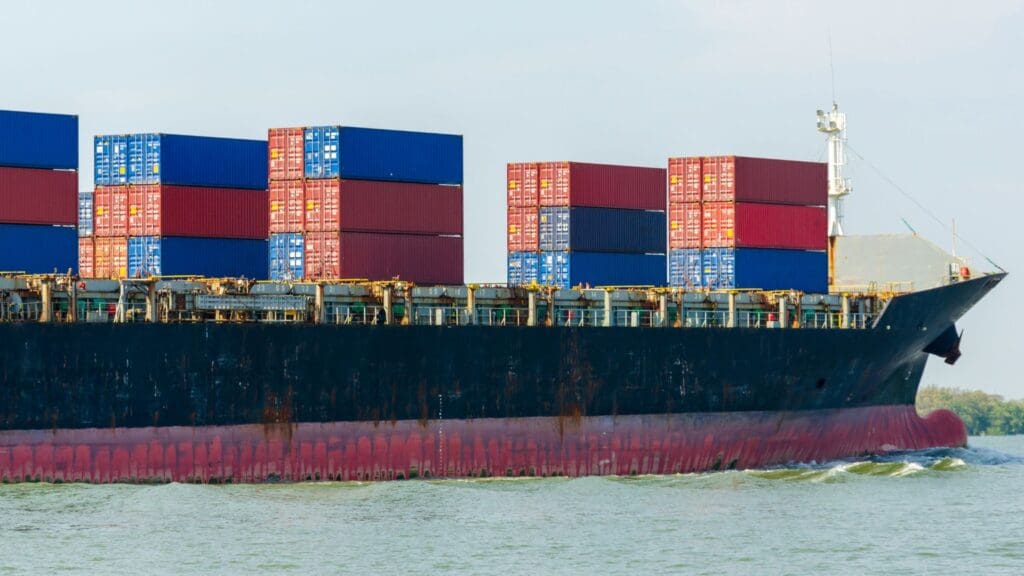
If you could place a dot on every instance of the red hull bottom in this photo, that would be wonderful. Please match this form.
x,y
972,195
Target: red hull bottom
x,y
546,446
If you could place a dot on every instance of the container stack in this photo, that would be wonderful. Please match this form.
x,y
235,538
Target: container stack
x,y
38,186
168,205
738,222
365,203
571,224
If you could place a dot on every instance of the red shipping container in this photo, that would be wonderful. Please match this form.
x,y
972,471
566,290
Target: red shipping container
x,y
373,256
86,255
684,179
684,225
284,153
523,229
287,206
110,211
601,186
32,196
377,206
523,182
749,225
110,257
763,180
162,210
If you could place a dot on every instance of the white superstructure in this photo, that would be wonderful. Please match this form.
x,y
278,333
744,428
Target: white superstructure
x,y
833,125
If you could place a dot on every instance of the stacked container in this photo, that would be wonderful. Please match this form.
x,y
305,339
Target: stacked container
x,y
365,203
168,204
738,222
38,188
571,223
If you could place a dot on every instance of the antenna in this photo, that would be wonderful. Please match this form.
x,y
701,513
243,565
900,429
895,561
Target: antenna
x,y
832,66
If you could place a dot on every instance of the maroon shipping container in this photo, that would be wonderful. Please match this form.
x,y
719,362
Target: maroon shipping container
x,y
373,256
523,229
684,225
523,181
748,225
31,196
377,206
284,154
86,258
163,210
601,186
743,179
287,206
110,212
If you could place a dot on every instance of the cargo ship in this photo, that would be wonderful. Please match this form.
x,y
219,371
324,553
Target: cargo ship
x,y
189,379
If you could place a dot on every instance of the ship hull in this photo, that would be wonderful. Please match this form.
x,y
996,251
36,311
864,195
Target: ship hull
x,y
252,402
544,446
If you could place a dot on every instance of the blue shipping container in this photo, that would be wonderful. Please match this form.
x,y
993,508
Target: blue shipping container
x,y
766,269
684,268
35,140
523,268
568,269
211,257
392,155
38,249
195,161
110,160
588,229
287,256
85,213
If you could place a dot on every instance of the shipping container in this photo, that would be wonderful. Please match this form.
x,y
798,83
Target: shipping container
x,y
285,154
110,160
748,225
568,269
601,186
38,249
523,268
372,154
601,230
197,161
286,256
373,256
36,196
85,212
210,257
110,216
287,206
764,180
765,269
163,210
685,267
37,140
381,206
110,257
684,180
523,181
685,224
523,229
86,257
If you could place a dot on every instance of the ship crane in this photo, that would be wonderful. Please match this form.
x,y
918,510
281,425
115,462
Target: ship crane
x,y
833,125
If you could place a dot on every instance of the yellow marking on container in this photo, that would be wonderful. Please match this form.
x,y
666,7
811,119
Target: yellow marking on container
x,y
544,218
544,183
674,180
512,184
512,228
274,206
675,225
121,170
729,233
310,205
99,211
274,153
156,168
707,178
133,210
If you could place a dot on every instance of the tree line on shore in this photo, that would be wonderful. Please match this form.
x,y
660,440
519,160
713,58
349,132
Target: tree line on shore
x,y
982,413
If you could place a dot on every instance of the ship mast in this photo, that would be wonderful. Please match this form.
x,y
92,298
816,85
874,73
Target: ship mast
x,y
833,125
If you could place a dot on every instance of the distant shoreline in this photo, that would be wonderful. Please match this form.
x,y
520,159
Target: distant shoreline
x,y
984,414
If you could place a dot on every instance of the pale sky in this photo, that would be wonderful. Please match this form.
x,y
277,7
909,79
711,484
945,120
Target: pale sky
x,y
931,90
